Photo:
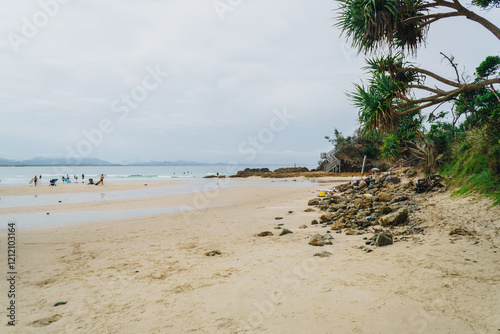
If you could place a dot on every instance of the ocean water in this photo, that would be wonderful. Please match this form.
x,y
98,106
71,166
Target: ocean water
x,y
22,175
192,175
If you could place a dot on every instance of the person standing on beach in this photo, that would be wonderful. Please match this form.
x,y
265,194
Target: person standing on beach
x,y
101,181
35,179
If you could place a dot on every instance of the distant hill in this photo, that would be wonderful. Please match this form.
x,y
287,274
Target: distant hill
x,y
173,163
41,161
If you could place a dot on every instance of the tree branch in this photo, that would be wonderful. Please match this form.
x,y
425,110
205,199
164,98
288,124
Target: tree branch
x,y
429,73
433,90
433,100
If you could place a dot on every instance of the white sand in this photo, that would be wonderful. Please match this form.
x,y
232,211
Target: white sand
x,y
150,274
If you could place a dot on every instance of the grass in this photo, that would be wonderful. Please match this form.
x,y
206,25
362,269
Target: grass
x,y
469,169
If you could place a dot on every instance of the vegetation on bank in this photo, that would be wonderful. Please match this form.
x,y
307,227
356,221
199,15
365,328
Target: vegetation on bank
x,y
460,135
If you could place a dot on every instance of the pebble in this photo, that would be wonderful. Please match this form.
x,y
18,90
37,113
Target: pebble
x,y
60,303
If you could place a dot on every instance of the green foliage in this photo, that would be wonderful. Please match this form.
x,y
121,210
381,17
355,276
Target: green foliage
x,y
471,165
488,67
372,24
390,146
441,134
487,3
340,142
371,151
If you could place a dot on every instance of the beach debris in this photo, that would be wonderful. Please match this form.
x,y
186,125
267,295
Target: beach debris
x,y
265,234
48,213
303,226
462,231
429,183
323,254
366,249
383,239
60,303
285,231
321,240
213,253
278,218
290,212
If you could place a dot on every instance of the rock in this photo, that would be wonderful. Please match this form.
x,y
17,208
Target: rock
x,y
399,198
309,210
383,239
290,212
265,233
314,201
394,218
278,218
314,222
353,232
285,231
383,210
278,228
60,303
337,226
303,226
362,184
327,236
393,179
462,231
366,249
384,197
213,253
323,254
326,217
317,240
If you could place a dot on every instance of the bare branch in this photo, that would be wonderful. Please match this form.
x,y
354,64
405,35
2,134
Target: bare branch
x,y
429,73
453,65
433,90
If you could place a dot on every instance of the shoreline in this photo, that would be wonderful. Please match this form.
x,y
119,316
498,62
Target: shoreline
x,y
151,275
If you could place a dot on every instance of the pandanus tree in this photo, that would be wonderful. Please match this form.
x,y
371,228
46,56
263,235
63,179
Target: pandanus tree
x,y
395,89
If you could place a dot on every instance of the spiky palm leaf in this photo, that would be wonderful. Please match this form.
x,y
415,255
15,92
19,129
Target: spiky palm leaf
x,y
376,23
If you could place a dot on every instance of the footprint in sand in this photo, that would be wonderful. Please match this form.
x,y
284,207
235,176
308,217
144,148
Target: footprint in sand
x,y
45,321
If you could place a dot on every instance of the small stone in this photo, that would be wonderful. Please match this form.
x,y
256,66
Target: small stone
x,y
314,222
285,231
60,303
303,226
383,239
265,234
323,254
278,218
321,240
366,249
290,212
309,210
213,253
278,228
314,201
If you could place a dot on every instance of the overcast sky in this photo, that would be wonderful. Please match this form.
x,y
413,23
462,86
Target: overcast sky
x,y
260,81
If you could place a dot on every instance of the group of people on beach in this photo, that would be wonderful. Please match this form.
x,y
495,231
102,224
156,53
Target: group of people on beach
x,y
66,179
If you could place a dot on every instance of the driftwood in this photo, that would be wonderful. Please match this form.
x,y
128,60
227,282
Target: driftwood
x,y
429,183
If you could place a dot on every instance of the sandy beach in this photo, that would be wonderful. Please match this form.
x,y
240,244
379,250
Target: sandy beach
x,y
151,275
